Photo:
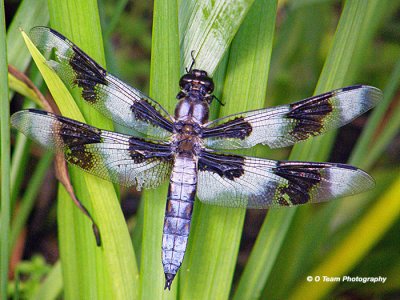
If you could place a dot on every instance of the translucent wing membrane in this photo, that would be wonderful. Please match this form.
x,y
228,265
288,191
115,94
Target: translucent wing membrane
x,y
115,157
115,99
248,182
287,124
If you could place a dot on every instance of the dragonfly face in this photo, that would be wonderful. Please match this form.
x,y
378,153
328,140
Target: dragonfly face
x,y
196,84
186,148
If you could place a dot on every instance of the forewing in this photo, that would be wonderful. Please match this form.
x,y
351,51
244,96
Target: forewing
x,y
285,125
112,156
112,97
248,182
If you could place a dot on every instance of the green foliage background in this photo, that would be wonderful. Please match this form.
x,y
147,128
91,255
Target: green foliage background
x,y
297,47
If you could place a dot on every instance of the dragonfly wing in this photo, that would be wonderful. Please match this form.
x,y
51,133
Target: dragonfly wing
x,y
285,125
248,182
112,156
115,99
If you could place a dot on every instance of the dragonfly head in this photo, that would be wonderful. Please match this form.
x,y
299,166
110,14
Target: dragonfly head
x,y
197,82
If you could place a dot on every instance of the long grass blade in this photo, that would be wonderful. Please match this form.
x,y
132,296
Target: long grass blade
x,y
62,97
259,266
119,8
207,28
5,159
216,231
19,160
364,153
109,272
29,14
84,265
164,76
51,287
29,198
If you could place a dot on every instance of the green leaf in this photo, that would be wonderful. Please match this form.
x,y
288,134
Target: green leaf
x,y
164,76
61,95
87,269
209,264
207,28
5,158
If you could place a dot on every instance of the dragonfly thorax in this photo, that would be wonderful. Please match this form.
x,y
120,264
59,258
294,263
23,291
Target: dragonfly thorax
x,y
189,110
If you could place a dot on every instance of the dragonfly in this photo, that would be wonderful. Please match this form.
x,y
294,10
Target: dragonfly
x,y
187,148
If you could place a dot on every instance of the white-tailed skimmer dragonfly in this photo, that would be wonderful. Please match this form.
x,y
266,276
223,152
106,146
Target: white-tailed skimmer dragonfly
x,y
184,147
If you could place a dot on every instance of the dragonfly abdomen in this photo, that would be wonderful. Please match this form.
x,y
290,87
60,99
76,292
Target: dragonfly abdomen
x,y
178,214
